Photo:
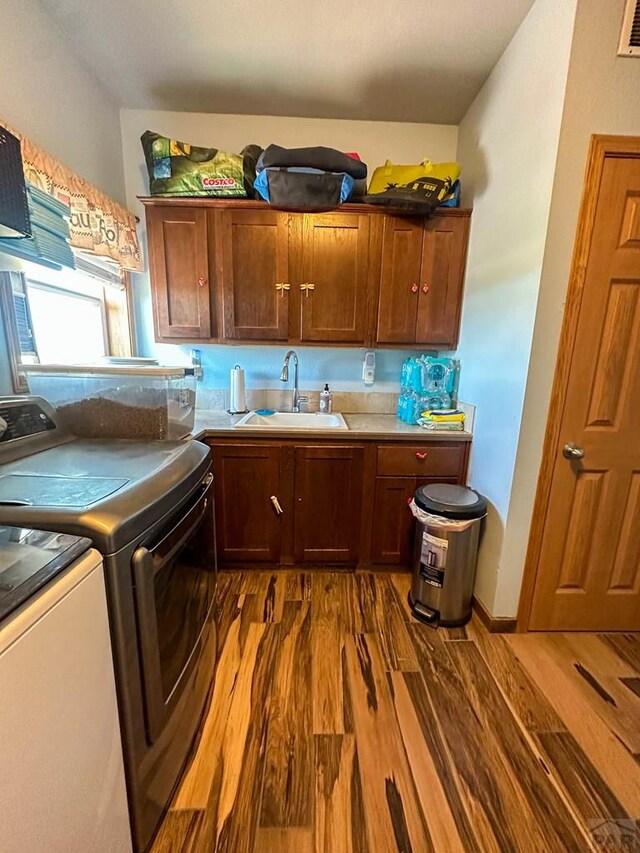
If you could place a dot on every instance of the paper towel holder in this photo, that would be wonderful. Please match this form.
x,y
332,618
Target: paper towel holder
x,y
230,410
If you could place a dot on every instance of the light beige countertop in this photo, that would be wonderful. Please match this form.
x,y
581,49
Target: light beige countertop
x,y
216,423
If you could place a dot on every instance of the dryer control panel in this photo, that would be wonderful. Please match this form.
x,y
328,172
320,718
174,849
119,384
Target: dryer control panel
x,y
22,417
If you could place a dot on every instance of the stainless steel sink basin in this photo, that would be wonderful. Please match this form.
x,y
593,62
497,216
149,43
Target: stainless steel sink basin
x,y
293,421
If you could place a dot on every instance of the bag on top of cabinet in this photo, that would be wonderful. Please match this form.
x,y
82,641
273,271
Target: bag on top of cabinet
x,y
180,169
315,178
418,188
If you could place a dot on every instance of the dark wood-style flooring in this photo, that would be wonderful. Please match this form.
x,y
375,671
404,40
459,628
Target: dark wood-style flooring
x,y
339,724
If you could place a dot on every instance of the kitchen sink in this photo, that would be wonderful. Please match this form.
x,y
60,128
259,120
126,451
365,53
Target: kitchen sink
x,y
293,421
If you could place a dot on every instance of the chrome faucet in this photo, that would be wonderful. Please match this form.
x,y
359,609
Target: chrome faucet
x,y
284,377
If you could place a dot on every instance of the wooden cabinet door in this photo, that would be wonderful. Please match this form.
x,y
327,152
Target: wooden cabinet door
x,y
179,269
254,272
334,277
444,252
393,523
327,497
400,280
248,526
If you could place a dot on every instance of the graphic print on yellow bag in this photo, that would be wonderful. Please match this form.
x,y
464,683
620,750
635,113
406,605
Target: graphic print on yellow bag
x,y
418,187
180,169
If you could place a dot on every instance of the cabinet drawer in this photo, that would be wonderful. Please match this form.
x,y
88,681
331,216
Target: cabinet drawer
x,y
427,460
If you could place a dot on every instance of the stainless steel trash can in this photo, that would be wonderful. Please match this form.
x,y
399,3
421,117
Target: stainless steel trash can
x,y
445,553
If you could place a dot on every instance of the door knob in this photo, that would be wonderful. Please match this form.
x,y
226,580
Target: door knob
x,y
572,451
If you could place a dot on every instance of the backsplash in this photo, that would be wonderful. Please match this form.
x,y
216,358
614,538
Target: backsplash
x,y
354,402
346,402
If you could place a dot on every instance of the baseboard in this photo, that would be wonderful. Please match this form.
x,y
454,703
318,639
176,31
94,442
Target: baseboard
x,y
494,624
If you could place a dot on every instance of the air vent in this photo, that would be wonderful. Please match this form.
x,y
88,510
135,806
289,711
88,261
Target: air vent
x,y
630,35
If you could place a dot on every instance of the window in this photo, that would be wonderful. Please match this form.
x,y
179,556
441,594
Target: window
x,y
64,317
69,326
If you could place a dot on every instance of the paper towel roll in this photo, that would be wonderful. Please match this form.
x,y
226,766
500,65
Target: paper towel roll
x,y
237,401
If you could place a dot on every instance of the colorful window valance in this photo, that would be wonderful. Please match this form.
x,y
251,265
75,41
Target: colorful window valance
x,y
98,224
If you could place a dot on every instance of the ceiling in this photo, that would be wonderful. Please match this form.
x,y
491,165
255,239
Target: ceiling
x,y
393,60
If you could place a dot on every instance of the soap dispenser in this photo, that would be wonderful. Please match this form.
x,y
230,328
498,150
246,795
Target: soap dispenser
x,y
326,400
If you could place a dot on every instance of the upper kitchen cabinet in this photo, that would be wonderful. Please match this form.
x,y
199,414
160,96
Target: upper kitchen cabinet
x,y
421,279
252,260
179,268
239,270
333,278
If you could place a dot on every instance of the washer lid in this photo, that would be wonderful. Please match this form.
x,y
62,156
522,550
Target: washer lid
x,y
451,501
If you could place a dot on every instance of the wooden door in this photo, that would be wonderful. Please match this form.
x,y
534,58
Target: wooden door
x,y
328,503
588,571
393,523
254,272
400,280
444,253
247,523
179,269
334,277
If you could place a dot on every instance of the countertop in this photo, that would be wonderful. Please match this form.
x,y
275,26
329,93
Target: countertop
x,y
214,423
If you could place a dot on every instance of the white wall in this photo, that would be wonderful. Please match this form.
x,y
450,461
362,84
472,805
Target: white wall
x,y
50,96
603,96
375,142
507,147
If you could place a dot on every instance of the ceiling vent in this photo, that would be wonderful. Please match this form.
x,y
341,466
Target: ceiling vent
x,y
630,35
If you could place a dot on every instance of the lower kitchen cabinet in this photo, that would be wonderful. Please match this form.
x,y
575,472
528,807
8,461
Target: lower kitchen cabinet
x,y
392,536
294,502
248,526
328,502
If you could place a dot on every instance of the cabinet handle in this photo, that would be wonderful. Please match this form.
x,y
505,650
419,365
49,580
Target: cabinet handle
x,y
202,281
414,288
421,456
282,286
306,287
425,288
276,505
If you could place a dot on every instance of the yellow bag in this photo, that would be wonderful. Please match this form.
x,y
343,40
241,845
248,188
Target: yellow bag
x,y
420,186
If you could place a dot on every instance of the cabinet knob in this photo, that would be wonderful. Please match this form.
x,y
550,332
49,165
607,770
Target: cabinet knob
x,y
282,286
421,456
414,288
202,281
425,288
306,286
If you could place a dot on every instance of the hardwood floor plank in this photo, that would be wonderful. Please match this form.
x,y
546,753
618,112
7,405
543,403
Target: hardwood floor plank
x,y
592,798
274,839
633,684
268,599
391,631
327,644
574,707
394,819
418,734
234,802
298,586
361,590
478,758
288,791
626,646
524,697
180,832
339,812
197,781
